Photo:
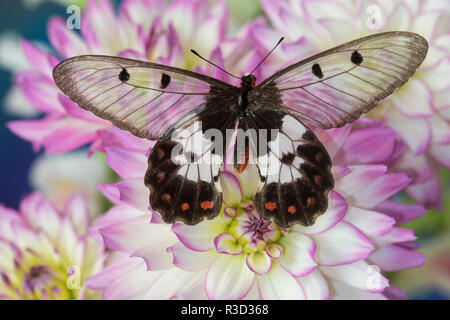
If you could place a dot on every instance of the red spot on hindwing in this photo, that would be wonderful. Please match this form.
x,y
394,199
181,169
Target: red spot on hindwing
x,y
270,206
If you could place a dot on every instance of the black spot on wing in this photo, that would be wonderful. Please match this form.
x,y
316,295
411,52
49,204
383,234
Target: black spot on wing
x,y
124,76
317,71
165,80
356,57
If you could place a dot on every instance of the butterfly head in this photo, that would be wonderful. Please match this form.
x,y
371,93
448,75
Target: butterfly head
x,y
248,80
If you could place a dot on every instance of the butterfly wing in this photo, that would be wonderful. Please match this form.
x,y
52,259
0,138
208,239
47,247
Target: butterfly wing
x,y
294,167
157,102
141,97
336,86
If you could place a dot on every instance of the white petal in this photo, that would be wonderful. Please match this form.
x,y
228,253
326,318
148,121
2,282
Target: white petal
x,y
315,286
298,254
190,260
358,275
342,244
279,284
229,278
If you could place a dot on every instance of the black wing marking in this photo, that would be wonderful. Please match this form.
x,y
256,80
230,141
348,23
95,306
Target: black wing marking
x,y
335,87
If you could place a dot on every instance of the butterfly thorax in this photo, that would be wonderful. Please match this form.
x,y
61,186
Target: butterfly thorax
x,y
247,83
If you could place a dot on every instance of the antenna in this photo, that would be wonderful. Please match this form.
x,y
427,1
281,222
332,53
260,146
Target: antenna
x,y
279,41
195,52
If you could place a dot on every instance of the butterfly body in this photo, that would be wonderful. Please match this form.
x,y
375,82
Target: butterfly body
x,y
191,115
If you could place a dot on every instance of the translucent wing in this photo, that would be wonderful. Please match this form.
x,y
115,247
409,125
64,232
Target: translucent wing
x,y
336,86
141,97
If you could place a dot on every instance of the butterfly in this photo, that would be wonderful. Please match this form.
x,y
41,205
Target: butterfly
x,y
167,104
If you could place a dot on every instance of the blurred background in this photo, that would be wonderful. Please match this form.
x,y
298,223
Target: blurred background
x,y
57,176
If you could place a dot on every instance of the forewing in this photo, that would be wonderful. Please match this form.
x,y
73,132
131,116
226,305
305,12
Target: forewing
x,y
141,97
336,86
294,167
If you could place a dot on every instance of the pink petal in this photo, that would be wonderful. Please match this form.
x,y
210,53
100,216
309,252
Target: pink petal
x,y
298,254
393,236
342,291
279,284
441,153
337,207
371,145
229,278
64,40
333,139
427,193
43,62
40,91
342,244
393,258
110,191
402,213
126,163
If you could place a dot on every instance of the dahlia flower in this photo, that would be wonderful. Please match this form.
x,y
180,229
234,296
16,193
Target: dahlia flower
x,y
419,111
239,255
143,29
46,254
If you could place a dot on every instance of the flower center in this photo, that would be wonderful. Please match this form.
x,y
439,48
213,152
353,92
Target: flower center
x,y
36,279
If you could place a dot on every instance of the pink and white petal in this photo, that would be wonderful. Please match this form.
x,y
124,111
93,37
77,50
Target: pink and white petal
x,y
229,278
336,211
247,181
342,244
359,177
131,285
393,236
402,213
77,210
342,291
381,189
199,237
42,61
414,100
315,286
259,262
436,78
134,193
39,91
417,167
114,136
231,189
110,191
415,132
298,254
393,258
279,284
371,145
65,41
359,275
116,215
226,243
69,134
41,214
189,260
128,164
440,129
371,223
